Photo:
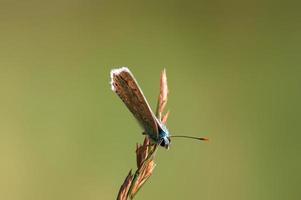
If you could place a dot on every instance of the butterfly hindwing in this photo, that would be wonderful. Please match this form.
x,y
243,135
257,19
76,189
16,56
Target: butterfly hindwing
x,y
127,88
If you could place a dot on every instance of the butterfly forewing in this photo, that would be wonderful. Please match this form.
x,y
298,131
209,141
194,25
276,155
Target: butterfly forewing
x,y
126,87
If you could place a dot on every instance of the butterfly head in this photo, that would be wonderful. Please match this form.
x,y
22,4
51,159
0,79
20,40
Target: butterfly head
x,y
164,139
165,142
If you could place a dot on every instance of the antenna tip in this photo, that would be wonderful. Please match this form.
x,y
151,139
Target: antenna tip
x,y
204,138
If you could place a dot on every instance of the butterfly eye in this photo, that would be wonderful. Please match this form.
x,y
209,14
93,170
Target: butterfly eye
x,y
165,142
162,144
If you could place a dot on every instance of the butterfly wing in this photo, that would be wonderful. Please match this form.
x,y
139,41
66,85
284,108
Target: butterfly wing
x,y
127,88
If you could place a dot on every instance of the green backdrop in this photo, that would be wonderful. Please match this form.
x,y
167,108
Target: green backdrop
x,y
234,76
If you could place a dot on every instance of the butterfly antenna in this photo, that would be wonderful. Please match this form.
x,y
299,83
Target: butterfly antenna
x,y
190,137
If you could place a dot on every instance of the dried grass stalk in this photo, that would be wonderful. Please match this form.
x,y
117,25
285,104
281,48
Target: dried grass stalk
x,y
123,192
162,99
145,152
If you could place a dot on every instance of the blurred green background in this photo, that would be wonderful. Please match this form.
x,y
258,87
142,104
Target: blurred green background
x,y
234,76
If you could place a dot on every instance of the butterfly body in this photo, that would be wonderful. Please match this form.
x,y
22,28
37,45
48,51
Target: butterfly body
x,y
126,87
164,136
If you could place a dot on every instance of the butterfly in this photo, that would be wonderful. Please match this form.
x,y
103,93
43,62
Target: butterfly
x,y
124,84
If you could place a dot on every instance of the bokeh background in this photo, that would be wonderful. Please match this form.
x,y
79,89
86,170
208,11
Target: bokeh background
x,y
234,76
